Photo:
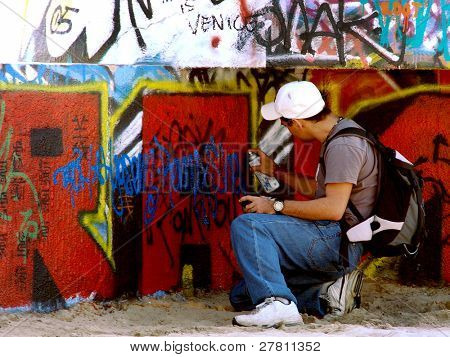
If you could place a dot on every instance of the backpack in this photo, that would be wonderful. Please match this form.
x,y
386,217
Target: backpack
x,y
396,225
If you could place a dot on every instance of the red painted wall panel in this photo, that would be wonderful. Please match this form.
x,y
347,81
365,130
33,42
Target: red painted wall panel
x,y
73,259
422,130
182,124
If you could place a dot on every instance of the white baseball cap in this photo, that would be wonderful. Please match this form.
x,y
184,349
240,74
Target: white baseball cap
x,y
298,100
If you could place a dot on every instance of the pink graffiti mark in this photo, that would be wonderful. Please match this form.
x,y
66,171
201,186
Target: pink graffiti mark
x,y
328,44
359,50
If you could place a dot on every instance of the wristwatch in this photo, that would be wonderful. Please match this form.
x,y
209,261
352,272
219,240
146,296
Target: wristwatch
x,y
278,206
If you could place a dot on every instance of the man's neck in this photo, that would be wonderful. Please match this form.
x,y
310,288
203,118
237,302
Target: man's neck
x,y
324,127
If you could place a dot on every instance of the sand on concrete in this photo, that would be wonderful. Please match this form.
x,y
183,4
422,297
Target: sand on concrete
x,y
388,309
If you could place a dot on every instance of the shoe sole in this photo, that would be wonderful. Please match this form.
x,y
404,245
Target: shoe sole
x,y
277,325
353,292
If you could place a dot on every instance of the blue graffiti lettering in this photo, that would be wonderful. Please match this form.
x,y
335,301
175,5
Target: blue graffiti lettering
x,y
205,171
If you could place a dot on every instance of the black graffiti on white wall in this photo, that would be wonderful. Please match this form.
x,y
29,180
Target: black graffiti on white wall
x,y
284,26
60,23
146,8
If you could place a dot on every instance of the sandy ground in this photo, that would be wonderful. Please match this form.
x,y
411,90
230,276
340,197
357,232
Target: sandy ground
x,y
388,309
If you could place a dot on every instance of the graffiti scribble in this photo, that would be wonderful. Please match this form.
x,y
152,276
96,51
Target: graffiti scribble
x,y
30,229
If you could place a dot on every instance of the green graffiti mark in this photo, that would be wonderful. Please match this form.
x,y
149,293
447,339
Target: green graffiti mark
x,y
29,229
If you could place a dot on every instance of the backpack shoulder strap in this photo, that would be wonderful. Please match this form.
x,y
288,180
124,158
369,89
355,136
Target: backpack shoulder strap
x,y
347,132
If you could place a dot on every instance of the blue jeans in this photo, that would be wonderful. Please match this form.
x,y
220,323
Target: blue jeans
x,y
288,257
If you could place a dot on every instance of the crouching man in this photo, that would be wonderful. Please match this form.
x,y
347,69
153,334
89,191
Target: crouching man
x,y
290,252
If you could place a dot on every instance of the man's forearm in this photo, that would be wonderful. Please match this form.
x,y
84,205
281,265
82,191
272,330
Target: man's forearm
x,y
302,184
321,208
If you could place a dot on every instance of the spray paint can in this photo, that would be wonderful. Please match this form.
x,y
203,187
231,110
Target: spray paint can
x,y
276,141
268,183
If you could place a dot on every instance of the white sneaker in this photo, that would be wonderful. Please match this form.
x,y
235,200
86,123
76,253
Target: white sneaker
x,y
344,294
270,313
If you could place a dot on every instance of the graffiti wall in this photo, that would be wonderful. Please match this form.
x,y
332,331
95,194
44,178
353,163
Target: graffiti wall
x,y
126,178
55,246
228,33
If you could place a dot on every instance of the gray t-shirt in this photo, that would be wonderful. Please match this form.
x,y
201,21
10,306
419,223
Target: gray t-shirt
x,y
350,159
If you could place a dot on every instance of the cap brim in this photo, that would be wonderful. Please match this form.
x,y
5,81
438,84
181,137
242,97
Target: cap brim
x,y
269,112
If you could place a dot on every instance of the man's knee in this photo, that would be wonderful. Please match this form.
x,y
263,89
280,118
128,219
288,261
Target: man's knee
x,y
240,225
241,221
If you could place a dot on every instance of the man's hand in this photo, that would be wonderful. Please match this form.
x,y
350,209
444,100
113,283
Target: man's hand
x,y
267,165
258,205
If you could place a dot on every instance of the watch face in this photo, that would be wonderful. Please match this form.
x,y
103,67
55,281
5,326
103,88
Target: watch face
x,y
278,206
